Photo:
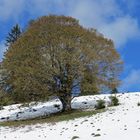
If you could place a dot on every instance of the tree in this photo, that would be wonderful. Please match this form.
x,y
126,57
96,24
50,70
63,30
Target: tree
x,y
13,35
53,53
114,90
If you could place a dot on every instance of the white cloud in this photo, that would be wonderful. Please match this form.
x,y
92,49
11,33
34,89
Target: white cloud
x,y
95,13
121,30
108,18
10,9
105,15
132,81
15,9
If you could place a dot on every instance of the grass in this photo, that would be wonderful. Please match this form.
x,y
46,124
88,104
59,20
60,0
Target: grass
x,y
65,116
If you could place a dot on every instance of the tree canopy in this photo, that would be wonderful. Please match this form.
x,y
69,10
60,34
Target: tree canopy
x,y
53,54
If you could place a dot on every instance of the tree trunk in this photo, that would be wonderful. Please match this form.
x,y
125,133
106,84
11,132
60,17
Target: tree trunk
x,y
66,103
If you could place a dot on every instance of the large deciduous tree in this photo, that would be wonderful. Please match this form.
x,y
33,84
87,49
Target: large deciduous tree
x,y
54,55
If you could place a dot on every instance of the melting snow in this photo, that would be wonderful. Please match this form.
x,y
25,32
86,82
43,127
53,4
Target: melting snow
x,y
117,123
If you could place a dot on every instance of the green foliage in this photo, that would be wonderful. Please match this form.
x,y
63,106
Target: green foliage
x,y
100,104
114,100
89,84
54,52
13,35
5,99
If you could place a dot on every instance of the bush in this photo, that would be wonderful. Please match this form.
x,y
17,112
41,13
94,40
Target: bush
x,y
100,104
5,99
114,100
138,104
75,137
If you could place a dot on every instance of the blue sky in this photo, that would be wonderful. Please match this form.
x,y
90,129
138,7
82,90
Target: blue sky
x,y
116,19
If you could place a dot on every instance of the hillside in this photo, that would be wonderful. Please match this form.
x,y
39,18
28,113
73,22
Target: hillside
x,y
117,123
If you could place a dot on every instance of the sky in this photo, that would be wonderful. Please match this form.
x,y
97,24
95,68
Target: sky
x,y
118,20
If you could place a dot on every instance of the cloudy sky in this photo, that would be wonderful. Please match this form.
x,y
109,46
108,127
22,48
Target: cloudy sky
x,y
116,19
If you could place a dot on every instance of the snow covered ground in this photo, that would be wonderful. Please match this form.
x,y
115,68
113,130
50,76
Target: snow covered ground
x,y
20,112
117,123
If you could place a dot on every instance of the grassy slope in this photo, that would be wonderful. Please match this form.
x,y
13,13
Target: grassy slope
x,y
65,116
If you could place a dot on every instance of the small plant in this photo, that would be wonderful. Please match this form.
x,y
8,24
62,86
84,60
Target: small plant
x,y
74,137
97,135
138,104
114,100
100,104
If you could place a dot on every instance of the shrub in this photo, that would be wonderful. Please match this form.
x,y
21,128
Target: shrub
x,y
5,99
114,100
74,137
100,104
138,104
97,135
